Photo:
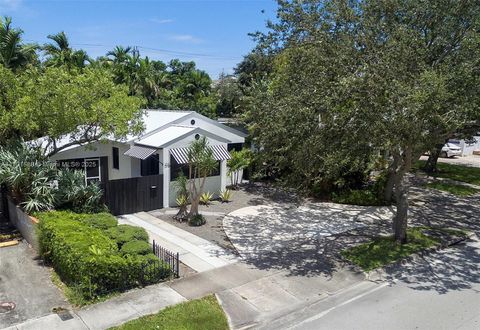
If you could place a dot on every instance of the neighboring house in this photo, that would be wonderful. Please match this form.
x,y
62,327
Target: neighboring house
x,y
137,174
469,146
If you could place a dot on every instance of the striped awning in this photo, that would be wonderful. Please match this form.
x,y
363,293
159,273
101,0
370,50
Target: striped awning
x,y
140,152
181,154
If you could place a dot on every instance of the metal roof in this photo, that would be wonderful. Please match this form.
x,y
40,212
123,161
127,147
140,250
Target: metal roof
x,y
165,136
140,152
181,154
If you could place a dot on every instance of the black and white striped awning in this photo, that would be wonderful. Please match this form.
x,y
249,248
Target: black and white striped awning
x,y
181,154
140,152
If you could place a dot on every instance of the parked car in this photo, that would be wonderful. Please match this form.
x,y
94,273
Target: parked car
x,y
450,150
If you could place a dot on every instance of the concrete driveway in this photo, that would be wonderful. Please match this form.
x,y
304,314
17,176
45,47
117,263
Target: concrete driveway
x,y
284,236
26,282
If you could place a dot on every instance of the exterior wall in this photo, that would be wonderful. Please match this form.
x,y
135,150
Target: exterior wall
x,y
468,149
212,128
24,223
212,184
104,149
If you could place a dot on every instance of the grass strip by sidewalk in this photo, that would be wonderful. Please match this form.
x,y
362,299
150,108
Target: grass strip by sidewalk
x,y
454,172
455,189
203,313
384,250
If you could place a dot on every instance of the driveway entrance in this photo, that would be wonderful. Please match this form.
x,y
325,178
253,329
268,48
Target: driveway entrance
x,y
283,236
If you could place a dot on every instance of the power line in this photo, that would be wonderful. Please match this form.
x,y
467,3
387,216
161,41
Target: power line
x,y
160,51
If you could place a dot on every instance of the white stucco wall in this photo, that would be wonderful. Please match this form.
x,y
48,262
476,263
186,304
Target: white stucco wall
x,y
468,149
104,149
212,185
212,128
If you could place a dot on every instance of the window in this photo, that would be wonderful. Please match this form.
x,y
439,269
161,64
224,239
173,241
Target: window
x,y
234,146
92,170
192,122
197,136
116,161
150,166
176,169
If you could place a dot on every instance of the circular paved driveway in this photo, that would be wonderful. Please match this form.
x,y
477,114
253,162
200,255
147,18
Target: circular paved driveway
x,y
296,238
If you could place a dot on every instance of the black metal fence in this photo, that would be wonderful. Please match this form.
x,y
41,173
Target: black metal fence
x,y
170,258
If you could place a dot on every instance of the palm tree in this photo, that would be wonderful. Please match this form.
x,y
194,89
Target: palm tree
x,y
120,54
60,53
14,54
201,163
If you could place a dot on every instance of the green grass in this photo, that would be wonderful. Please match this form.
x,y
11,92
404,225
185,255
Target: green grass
x,y
455,172
384,250
203,313
454,189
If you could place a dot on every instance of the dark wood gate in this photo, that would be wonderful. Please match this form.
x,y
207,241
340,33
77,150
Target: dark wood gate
x,y
134,194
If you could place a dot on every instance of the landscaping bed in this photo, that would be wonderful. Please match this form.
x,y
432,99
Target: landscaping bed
x,y
384,250
203,313
94,256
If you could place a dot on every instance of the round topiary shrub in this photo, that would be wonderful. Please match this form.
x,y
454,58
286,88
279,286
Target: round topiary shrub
x,y
197,220
126,233
136,247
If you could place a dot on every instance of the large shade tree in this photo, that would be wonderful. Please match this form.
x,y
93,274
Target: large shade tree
x,y
356,79
76,107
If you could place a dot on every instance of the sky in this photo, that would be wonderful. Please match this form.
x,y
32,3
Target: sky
x,y
213,33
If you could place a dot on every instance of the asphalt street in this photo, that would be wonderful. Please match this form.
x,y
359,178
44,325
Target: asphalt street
x,y
439,291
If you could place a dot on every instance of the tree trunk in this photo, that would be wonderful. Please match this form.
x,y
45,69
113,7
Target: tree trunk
x,y
388,190
401,217
194,208
431,164
400,220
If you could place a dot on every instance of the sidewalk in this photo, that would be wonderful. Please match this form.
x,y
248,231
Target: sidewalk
x,y
195,252
118,310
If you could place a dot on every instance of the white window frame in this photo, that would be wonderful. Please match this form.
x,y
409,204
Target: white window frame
x,y
99,177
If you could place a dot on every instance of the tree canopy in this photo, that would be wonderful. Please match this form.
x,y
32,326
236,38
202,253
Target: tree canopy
x,y
354,81
55,102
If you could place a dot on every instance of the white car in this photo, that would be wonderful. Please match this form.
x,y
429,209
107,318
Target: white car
x,y
451,150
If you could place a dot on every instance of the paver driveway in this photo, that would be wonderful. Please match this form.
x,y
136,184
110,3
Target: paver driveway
x,y
285,236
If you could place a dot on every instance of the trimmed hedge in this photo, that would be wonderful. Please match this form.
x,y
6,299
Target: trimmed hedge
x,y
99,220
136,247
88,259
126,233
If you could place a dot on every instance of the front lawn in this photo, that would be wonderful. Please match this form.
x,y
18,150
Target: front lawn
x,y
455,189
384,250
455,172
203,313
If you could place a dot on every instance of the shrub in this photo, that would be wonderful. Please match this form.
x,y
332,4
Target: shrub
x,y
28,176
182,201
75,194
357,197
197,220
126,233
102,220
225,195
136,247
89,261
206,198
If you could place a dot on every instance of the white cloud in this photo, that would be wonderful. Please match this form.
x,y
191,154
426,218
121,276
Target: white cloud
x,y
10,4
186,38
161,21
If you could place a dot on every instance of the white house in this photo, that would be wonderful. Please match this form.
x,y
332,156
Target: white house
x,y
137,173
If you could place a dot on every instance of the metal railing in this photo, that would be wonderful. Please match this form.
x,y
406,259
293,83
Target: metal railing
x,y
170,258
